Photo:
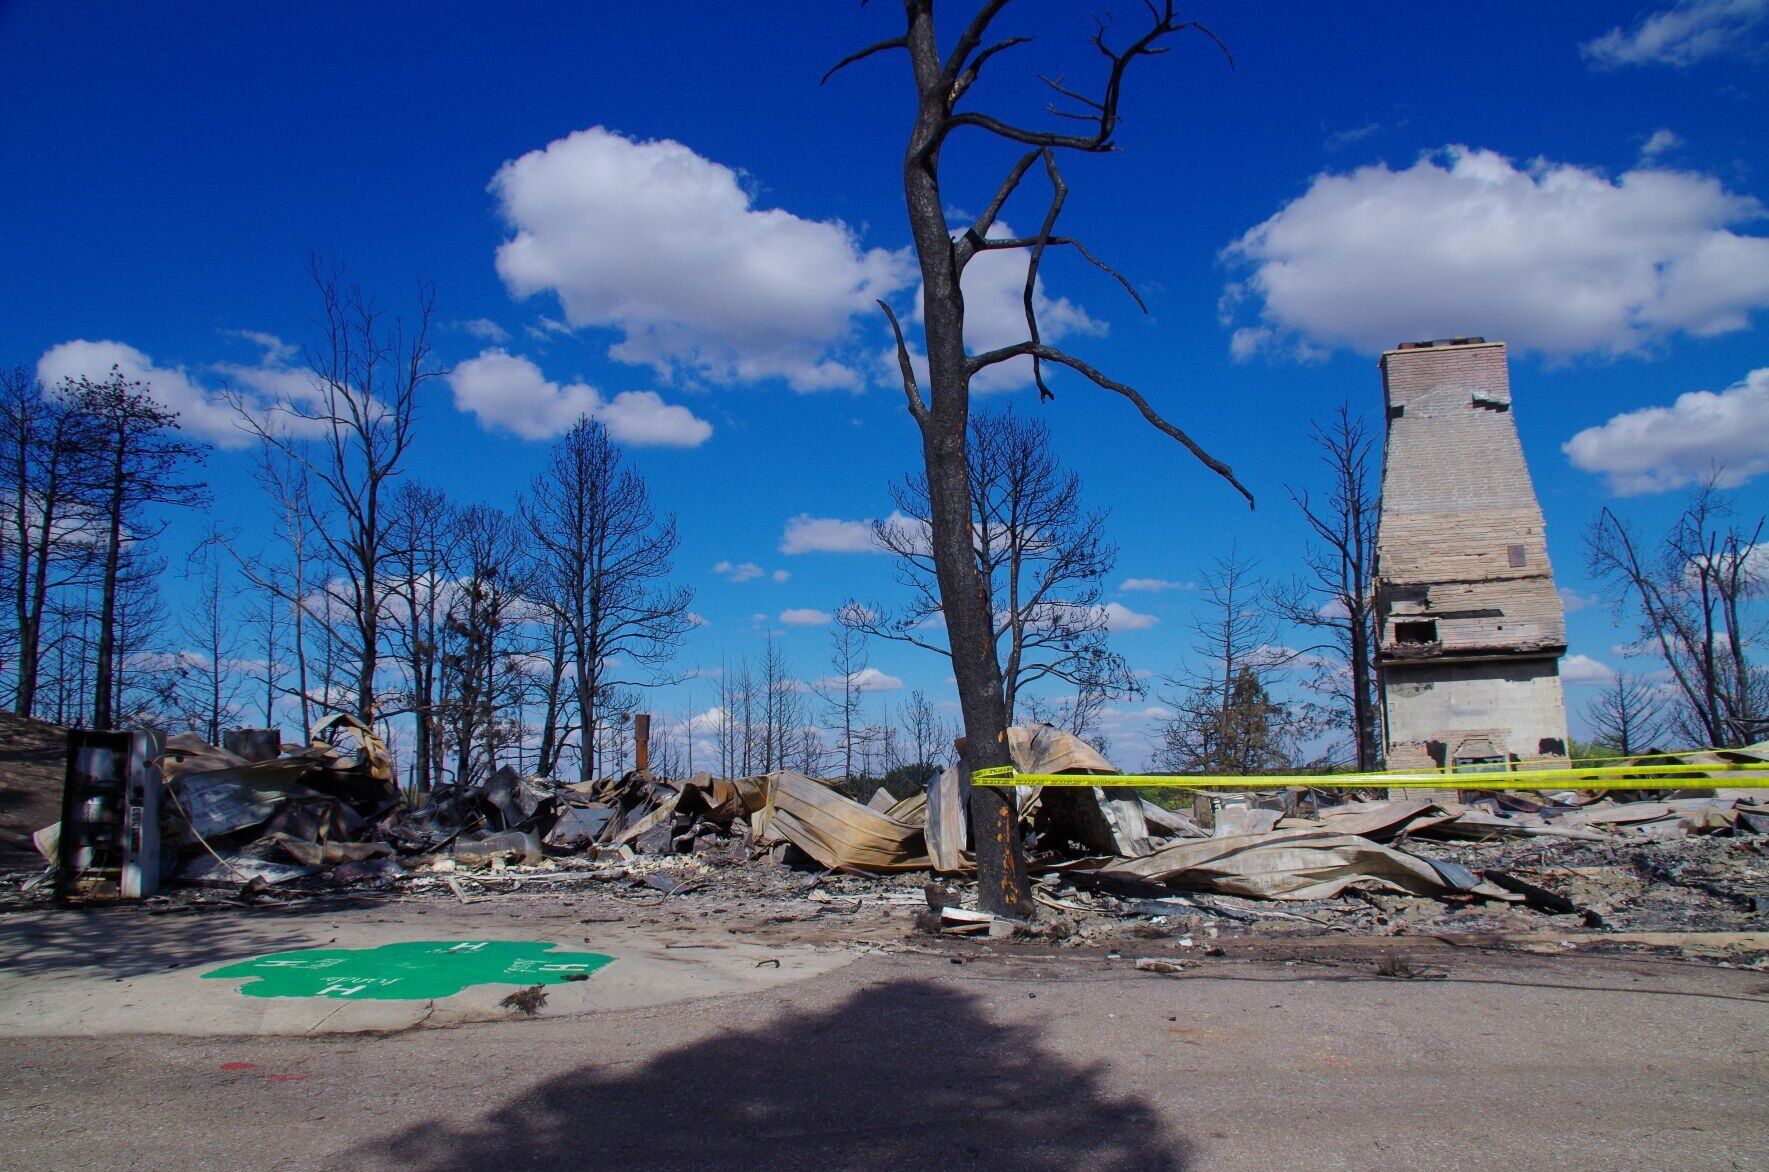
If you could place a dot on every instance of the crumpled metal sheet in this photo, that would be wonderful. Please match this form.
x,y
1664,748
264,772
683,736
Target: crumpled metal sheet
x,y
1044,748
837,831
947,821
1300,864
225,800
1378,820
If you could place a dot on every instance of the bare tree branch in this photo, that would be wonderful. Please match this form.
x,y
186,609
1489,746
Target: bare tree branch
x,y
978,232
861,55
917,408
999,242
969,77
1105,107
1052,354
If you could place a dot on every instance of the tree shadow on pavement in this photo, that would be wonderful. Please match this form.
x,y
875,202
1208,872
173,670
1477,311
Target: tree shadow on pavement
x,y
128,942
903,1075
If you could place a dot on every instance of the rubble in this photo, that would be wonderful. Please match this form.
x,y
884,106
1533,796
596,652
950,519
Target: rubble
x,y
1109,863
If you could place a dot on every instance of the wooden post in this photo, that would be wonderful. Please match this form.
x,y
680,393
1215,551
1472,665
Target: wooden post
x,y
642,741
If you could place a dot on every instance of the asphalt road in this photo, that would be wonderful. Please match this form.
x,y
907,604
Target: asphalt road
x,y
1016,1061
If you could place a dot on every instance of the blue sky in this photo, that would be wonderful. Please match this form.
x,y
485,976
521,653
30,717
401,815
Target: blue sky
x,y
670,223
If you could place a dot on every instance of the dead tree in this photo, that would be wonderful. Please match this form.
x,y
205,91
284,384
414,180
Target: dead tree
x,y
136,461
554,648
1225,720
483,611
844,688
1334,599
212,684
289,583
1627,716
1693,593
929,735
942,80
350,435
420,573
601,556
1041,557
45,541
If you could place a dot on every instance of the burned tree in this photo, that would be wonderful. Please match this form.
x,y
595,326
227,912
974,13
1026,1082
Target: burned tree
x,y
421,570
1041,558
1334,599
135,460
484,609
942,81
349,434
1695,592
928,734
601,556
843,690
45,543
1225,719
210,683
1627,717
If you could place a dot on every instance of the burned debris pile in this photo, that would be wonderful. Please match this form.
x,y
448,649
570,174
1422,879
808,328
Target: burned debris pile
x,y
329,816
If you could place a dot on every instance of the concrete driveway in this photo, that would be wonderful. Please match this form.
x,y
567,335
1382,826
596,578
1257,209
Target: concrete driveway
x,y
966,1056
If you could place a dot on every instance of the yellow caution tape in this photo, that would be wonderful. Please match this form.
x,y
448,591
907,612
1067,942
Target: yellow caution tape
x,y
1732,775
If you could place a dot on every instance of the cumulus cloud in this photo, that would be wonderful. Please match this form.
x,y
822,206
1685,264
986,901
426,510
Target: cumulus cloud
x,y
508,391
484,329
804,616
200,400
1656,449
868,679
1121,618
738,571
807,534
1155,585
1572,600
667,247
748,571
1683,34
1550,257
1660,142
1582,669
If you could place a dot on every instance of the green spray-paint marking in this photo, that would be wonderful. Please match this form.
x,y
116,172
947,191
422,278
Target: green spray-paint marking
x,y
416,970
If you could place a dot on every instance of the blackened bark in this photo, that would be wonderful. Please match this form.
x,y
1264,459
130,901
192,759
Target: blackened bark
x,y
943,418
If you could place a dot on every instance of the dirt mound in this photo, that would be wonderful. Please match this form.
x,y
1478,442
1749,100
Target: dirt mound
x,y
31,767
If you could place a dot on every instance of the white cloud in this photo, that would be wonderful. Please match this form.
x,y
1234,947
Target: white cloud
x,y
1656,449
667,247
1550,257
203,410
508,391
1121,618
275,349
807,534
995,316
1683,34
1340,139
1572,600
1660,142
868,679
748,571
738,571
484,329
1155,585
804,616
1582,669
710,721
